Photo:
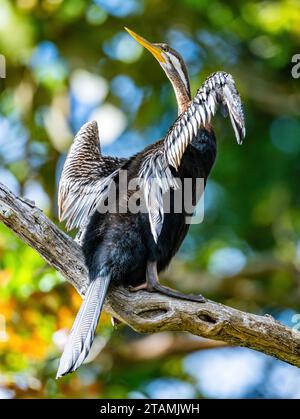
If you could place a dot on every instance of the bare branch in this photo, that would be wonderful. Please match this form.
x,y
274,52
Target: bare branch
x,y
148,312
35,229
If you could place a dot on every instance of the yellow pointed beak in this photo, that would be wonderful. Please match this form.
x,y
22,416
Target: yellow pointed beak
x,y
155,50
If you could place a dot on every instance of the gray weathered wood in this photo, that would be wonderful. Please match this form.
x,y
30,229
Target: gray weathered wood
x,y
143,311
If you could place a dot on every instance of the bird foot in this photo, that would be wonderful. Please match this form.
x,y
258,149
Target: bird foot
x,y
143,286
176,294
167,291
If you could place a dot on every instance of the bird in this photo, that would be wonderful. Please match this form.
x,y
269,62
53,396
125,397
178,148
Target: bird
x,y
128,247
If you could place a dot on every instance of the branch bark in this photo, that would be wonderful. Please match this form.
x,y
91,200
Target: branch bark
x,y
148,312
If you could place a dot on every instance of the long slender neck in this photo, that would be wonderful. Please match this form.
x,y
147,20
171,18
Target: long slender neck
x,y
182,91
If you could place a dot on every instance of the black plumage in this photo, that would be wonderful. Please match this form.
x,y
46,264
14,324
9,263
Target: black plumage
x,y
127,261
132,248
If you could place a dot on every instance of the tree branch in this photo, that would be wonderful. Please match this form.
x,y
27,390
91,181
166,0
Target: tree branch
x,y
148,312
35,229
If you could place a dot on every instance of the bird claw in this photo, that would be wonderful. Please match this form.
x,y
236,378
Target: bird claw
x,y
197,298
176,294
136,288
167,291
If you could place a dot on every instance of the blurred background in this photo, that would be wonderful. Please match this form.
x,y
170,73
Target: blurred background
x,y
68,62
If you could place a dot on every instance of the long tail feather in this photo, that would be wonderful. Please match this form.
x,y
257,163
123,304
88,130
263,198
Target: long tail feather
x,y
83,331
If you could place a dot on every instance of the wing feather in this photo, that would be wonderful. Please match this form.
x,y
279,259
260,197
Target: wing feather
x,y
218,90
85,178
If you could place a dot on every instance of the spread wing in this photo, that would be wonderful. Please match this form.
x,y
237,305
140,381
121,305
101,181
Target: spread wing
x,y
85,178
218,90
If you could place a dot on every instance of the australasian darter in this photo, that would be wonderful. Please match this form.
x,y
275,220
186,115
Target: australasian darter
x,y
132,248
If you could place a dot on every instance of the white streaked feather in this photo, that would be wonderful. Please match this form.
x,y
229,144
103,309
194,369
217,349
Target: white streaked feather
x,y
217,91
198,117
83,331
85,178
201,110
211,103
194,124
191,131
77,209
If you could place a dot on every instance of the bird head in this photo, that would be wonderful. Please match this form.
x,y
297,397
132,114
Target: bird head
x,y
171,62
